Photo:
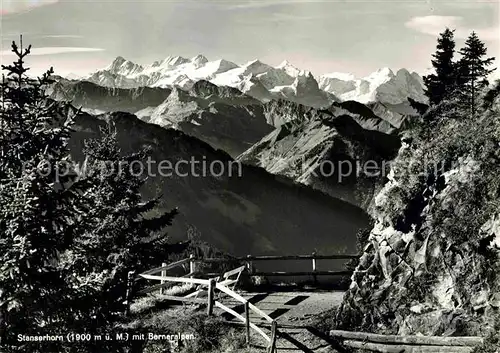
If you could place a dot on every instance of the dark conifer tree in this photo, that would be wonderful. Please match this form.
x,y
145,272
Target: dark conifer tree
x,y
41,208
67,240
473,70
127,233
442,83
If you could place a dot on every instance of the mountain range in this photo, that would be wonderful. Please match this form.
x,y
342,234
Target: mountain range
x,y
265,82
222,116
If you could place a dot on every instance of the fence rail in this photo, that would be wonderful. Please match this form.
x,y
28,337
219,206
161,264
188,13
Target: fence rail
x,y
245,321
250,259
168,267
303,273
408,344
283,257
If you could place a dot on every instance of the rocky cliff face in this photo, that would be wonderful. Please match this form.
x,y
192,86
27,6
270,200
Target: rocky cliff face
x,y
329,153
431,265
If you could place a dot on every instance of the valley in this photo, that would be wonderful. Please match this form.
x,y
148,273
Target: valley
x,y
284,193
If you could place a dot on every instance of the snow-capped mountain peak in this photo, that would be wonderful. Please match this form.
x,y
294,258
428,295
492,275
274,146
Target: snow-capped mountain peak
x,y
340,76
121,66
380,76
72,76
199,60
385,71
212,68
176,60
305,82
283,64
119,60
255,67
169,62
382,86
289,69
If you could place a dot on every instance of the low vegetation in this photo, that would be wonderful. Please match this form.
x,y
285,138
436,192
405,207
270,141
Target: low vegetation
x,y
202,333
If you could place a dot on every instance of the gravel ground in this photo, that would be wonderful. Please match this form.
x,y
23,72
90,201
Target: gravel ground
x,y
295,312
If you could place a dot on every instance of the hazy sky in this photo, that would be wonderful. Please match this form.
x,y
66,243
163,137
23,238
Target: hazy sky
x,y
80,36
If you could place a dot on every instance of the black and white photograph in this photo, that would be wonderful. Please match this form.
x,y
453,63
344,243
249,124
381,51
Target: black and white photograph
x,y
249,176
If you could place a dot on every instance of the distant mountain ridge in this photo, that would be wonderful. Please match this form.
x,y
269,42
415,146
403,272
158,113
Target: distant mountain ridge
x,y
98,98
265,82
222,116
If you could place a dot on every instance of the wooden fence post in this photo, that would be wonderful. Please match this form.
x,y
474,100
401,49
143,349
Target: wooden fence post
x,y
211,297
249,265
272,344
128,294
247,322
163,274
192,263
314,267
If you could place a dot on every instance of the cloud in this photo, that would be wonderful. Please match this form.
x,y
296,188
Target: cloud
x,y
434,25
54,50
257,4
15,6
278,16
63,36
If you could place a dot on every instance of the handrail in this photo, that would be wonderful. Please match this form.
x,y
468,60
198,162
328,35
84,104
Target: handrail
x,y
167,267
283,257
159,286
303,273
260,312
176,279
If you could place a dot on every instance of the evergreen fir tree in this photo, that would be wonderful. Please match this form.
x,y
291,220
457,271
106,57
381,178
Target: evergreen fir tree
x,y
442,83
41,208
124,236
473,70
66,242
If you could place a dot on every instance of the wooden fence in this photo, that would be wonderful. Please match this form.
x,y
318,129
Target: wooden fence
x,y
249,260
210,286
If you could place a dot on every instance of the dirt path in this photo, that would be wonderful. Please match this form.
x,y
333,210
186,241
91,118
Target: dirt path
x,y
293,312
